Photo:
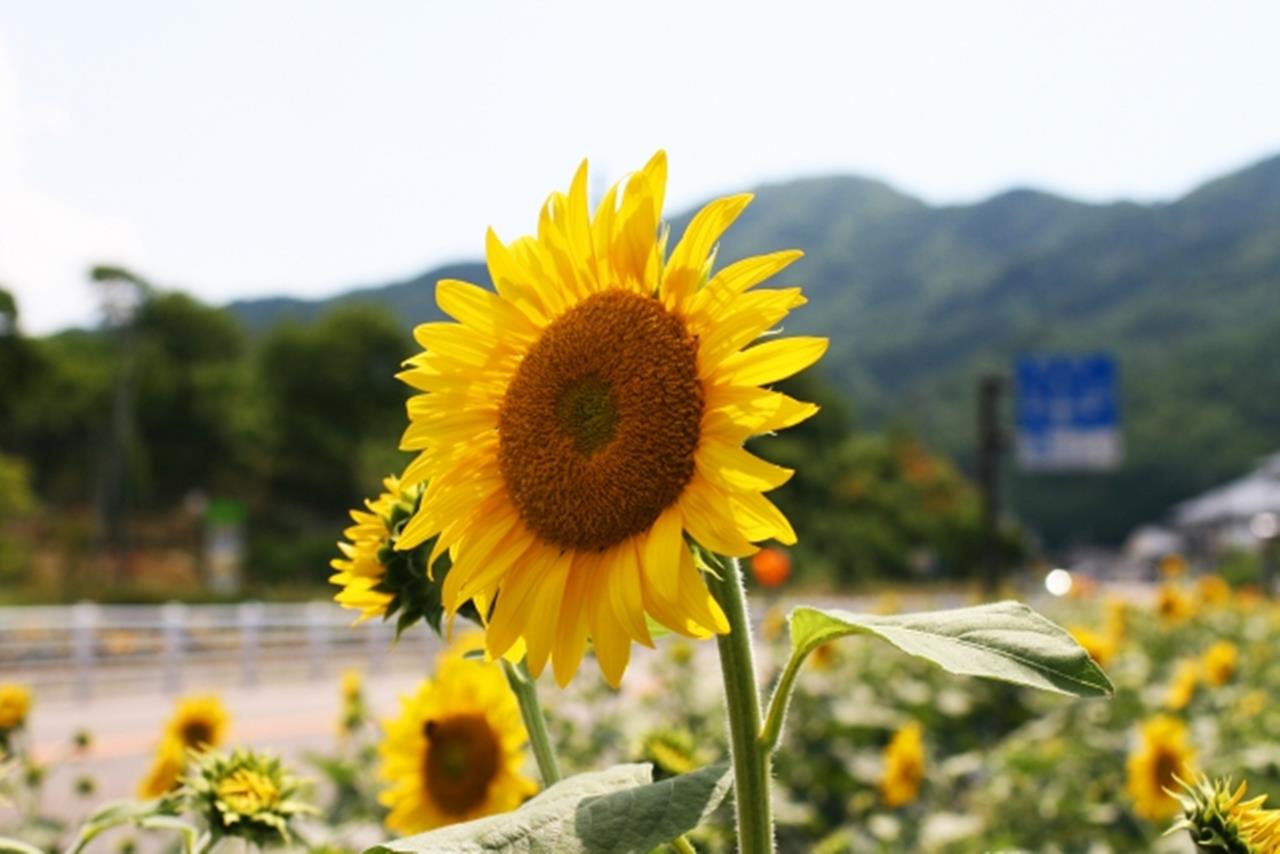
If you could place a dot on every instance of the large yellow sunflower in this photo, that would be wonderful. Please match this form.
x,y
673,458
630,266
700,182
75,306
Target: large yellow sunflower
x,y
454,753
575,425
198,723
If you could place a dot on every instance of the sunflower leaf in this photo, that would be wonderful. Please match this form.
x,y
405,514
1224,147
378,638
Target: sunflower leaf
x,y
1005,640
616,811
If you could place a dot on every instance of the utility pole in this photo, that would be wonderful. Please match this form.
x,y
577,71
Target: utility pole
x,y
991,444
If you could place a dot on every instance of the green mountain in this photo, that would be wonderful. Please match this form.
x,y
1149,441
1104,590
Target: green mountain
x,y
919,300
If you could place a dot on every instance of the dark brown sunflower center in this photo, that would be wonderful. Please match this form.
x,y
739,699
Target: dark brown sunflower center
x,y
197,733
462,759
1167,764
598,427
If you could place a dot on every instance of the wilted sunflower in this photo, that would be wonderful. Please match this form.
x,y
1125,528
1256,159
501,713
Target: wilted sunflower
x,y
198,723
1162,755
903,766
455,752
577,423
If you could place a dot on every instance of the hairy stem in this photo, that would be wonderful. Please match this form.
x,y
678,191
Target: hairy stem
x,y
751,778
535,723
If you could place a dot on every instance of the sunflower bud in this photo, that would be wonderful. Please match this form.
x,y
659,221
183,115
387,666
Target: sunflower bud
x,y
1220,819
246,794
672,752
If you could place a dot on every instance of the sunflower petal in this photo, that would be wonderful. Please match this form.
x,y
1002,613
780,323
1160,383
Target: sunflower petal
x,y
772,360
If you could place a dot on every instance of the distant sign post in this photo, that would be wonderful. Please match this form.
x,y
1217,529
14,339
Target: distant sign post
x,y
1067,413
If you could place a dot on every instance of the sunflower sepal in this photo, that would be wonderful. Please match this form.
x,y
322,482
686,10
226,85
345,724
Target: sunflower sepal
x,y
1218,818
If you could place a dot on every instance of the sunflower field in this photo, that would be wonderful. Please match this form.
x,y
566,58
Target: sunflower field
x,y
581,488
882,751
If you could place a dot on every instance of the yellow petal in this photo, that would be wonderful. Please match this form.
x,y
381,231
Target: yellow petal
x,y
540,631
771,361
710,521
660,551
736,468
571,631
482,310
759,519
688,261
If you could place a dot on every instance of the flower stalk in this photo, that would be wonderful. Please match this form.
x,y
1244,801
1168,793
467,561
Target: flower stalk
x,y
751,775
535,722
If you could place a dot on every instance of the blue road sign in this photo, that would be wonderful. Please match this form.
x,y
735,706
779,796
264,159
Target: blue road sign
x,y
1067,413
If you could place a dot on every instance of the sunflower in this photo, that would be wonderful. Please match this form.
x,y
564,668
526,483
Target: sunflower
x,y
198,723
1162,755
1219,663
455,752
363,569
1213,590
575,424
1100,646
1186,678
1173,604
1219,818
15,704
903,766
245,794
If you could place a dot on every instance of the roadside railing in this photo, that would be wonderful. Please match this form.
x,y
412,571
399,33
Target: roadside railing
x,y
85,650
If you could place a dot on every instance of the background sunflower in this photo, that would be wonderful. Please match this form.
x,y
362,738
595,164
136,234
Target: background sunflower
x,y
456,750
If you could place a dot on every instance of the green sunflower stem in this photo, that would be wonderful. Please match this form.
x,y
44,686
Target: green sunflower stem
x,y
535,722
751,775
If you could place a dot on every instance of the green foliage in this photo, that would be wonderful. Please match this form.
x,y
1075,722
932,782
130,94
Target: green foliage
x,y
871,503
919,300
1006,641
617,810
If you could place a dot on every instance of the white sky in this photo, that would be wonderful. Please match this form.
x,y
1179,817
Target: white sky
x,y
248,148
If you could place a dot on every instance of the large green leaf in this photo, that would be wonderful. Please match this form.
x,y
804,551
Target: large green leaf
x,y
1004,640
605,812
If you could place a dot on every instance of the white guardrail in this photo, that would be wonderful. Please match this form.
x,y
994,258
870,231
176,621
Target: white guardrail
x,y
79,651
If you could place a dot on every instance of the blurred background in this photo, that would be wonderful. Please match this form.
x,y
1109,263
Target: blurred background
x,y
1044,242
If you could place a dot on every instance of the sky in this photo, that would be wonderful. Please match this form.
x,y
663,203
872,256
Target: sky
x,y
239,149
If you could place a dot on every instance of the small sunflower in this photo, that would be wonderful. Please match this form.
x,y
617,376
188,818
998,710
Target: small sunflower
x,y
1117,622
247,795
1173,604
377,579
1220,819
455,752
672,751
1219,663
1162,756
1100,646
575,425
15,705
1186,678
1213,590
198,723
903,766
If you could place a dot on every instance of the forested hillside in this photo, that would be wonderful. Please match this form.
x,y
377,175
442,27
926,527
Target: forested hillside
x,y
918,300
